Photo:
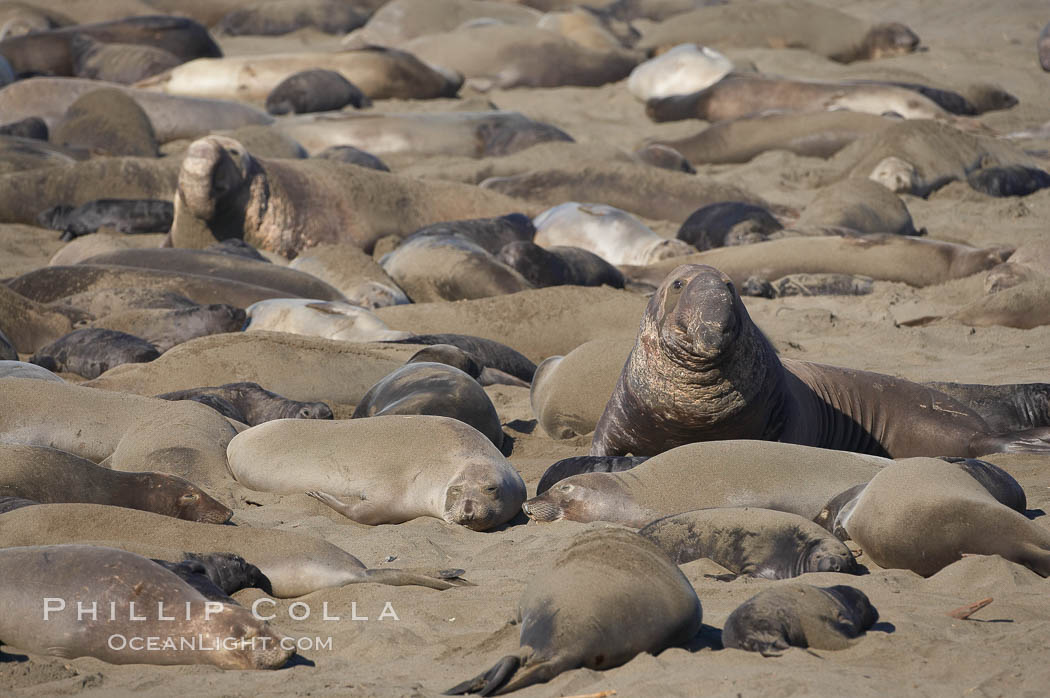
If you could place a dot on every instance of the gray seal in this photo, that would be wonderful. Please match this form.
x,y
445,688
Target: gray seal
x,y
800,615
584,611
91,352
751,542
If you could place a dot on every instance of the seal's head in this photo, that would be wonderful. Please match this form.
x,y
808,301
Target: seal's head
x,y
308,410
890,39
258,645
173,496
584,498
696,314
214,170
856,601
481,496
827,555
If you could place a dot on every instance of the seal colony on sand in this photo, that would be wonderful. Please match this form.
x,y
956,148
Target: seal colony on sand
x,y
698,344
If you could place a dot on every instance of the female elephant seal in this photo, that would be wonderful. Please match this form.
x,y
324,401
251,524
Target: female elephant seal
x,y
608,597
386,469
784,477
800,615
46,585
293,564
701,370
434,389
751,542
50,476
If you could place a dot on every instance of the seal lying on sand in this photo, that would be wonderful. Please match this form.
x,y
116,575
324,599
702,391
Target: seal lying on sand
x,y
128,216
292,563
796,479
50,476
799,615
254,404
92,351
701,370
84,575
317,318
584,611
751,542
383,469
614,235
577,465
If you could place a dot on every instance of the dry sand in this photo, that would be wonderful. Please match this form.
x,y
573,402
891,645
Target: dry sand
x,y
442,638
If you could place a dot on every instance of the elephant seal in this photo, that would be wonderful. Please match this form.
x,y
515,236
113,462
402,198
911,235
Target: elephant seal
x,y
860,205
492,234
664,157
796,479
799,615
682,70
614,235
223,192
166,328
254,404
117,579
315,318
22,369
7,349
1043,48
314,90
741,95
1023,306
276,17
217,575
1010,407
397,21
1012,180
11,503
403,467
450,356
490,353
106,122
822,285
29,325
577,465
434,389
559,266
582,611
903,520
727,223
698,344
751,542
120,63
50,476
294,564
92,351
128,216
31,127
352,156
814,134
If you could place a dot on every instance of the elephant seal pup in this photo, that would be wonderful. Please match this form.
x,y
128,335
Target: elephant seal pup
x,y
490,233
491,354
164,328
22,369
569,392
906,519
1011,407
254,404
435,389
383,469
614,235
728,223
751,542
92,351
314,90
294,564
1043,48
223,192
85,575
559,266
352,156
583,611
50,476
276,17
317,318
128,216
449,267
799,615
1011,180
698,344
217,575
740,95
682,70
796,479
577,465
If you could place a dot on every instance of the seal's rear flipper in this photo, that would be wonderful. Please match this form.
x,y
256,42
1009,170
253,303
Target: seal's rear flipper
x,y
489,682
1028,441
432,579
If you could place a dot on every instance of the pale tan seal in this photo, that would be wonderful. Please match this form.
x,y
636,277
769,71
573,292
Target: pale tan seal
x,y
387,469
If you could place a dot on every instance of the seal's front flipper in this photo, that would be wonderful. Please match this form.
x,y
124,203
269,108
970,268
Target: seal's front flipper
x,y
489,682
361,510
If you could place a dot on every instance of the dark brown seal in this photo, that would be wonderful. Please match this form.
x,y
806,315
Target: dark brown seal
x,y
700,371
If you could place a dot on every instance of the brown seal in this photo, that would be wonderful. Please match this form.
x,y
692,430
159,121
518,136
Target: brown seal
x,y
701,370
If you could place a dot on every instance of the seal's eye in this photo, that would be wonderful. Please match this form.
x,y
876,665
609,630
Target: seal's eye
x,y
677,284
491,489
565,488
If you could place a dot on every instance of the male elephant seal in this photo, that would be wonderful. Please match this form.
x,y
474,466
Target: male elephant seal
x,y
924,514
796,479
799,615
701,370
253,403
435,389
294,564
577,465
383,469
586,610
92,351
50,476
48,585
751,542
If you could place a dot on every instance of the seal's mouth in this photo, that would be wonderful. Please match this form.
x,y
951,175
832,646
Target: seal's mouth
x,y
542,509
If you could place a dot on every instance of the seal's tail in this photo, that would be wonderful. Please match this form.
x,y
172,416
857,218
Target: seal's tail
x,y
432,579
